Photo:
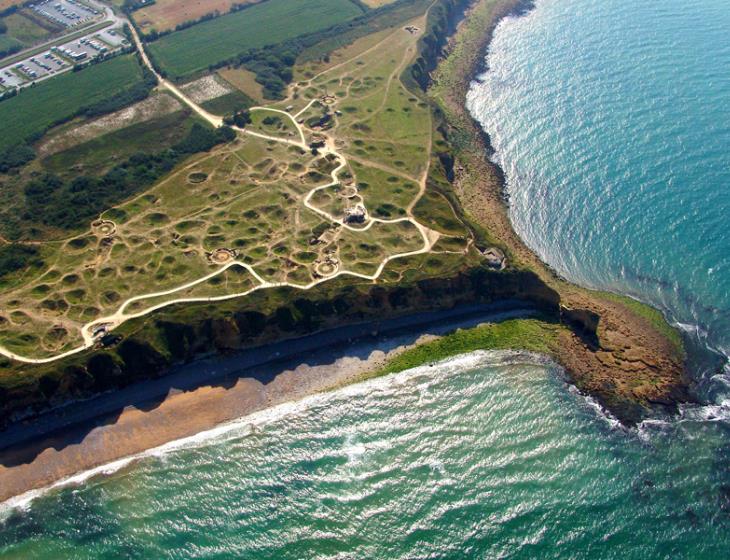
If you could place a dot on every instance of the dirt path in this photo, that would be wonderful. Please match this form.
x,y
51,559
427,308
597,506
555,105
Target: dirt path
x,y
91,331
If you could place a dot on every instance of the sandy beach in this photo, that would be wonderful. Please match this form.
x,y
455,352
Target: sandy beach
x,y
204,394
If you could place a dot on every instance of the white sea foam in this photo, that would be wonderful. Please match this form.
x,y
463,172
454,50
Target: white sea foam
x,y
591,403
706,413
247,424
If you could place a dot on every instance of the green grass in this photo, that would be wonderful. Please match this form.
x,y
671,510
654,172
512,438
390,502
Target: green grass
x,y
193,49
518,334
7,42
227,104
37,108
25,30
100,154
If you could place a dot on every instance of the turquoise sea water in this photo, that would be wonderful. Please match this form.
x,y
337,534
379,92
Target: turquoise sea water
x,y
483,456
612,121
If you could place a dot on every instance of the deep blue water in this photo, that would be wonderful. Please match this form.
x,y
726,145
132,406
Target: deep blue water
x,y
611,119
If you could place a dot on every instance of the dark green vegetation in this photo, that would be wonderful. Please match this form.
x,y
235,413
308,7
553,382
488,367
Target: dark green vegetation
x,y
15,156
211,42
229,103
238,118
95,90
73,203
525,334
440,24
8,45
177,334
97,156
15,257
93,158
273,65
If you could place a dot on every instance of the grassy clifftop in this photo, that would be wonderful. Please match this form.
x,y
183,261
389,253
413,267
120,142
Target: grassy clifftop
x,y
623,354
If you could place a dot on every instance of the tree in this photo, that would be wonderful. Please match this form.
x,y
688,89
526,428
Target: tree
x,y
238,118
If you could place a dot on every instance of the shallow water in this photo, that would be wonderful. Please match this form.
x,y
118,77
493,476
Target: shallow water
x,y
487,455
611,119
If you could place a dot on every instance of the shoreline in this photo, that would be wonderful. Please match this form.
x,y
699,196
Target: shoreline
x,y
475,358
208,393
632,367
217,395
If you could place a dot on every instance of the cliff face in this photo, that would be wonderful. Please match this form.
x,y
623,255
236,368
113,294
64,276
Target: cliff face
x,y
609,351
626,358
150,346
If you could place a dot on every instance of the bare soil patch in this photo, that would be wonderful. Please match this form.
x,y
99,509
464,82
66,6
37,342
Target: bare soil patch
x,y
150,108
166,14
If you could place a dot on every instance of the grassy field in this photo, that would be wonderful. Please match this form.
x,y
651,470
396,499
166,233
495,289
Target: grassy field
x,y
100,154
27,31
93,156
244,81
262,202
37,108
7,42
227,104
193,49
166,14
526,334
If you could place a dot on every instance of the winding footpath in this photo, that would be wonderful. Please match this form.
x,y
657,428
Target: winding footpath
x,y
93,331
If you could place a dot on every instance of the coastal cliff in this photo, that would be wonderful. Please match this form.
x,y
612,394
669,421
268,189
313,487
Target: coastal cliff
x,y
623,353
147,348
616,350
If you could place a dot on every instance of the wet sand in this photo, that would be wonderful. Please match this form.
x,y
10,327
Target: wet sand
x,y
204,394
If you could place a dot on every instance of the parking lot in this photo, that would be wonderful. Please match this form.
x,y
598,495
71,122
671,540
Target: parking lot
x,y
67,13
61,58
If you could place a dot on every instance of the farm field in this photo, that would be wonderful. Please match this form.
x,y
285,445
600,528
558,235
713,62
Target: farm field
x,y
317,186
193,49
35,109
244,81
167,14
5,4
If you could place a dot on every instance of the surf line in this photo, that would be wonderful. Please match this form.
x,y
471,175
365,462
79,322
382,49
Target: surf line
x,y
249,423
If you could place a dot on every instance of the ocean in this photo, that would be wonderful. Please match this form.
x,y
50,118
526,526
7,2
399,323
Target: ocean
x,y
611,119
488,455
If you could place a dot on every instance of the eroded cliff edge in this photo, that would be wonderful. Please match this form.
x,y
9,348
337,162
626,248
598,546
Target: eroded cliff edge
x,y
620,352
